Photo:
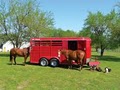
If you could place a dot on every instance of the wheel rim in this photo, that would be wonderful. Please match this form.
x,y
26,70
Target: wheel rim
x,y
43,62
54,63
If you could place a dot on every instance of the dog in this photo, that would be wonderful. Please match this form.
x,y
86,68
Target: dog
x,y
107,70
99,69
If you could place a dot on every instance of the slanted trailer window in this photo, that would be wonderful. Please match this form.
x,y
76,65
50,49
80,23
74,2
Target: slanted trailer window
x,y
35,43
44,43
56,43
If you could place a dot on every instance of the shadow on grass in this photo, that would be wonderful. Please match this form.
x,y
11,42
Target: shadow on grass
x,y
15,64
21,64
107,58
74,67
4,55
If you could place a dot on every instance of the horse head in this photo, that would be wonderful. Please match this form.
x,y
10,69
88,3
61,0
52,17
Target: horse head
x,y
62,51
27,49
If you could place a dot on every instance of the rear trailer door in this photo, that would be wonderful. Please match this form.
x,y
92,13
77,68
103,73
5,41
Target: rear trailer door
x,y
35,52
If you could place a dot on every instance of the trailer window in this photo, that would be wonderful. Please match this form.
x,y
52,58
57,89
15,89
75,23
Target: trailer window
x,y
35,43
44,43
72,45
56,43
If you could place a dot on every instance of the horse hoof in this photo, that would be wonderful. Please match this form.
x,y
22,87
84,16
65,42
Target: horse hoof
x,y
68,67
80,69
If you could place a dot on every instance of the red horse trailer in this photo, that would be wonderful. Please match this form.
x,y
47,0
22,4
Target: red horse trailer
x,y
46,51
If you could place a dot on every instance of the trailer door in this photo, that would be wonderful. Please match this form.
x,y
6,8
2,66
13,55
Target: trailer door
x,y
72,45
35,52
81,45
45,48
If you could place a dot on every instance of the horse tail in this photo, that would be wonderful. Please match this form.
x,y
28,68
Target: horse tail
x,y
10,57
83,59
81,56
11,54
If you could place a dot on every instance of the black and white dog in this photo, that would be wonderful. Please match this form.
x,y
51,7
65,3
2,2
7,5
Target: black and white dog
x,y
107,70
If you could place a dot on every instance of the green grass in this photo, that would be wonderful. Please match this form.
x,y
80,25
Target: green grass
x,y
35,77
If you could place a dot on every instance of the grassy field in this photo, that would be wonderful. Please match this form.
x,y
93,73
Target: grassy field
x,y
35,77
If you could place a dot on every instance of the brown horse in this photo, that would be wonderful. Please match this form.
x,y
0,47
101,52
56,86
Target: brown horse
x,y
14,52
77,55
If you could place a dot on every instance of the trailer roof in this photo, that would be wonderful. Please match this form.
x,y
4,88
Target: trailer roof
x,y
60,38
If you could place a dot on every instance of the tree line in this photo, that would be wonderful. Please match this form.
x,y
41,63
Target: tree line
x,y
103,29
21,20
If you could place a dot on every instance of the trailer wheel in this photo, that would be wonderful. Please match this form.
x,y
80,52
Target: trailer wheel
x,y
43,62
54,62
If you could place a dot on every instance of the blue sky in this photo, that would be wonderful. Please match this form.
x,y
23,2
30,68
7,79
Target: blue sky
x,y
70,14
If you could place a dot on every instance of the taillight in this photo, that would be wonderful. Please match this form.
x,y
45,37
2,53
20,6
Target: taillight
x,y
88,60
58,53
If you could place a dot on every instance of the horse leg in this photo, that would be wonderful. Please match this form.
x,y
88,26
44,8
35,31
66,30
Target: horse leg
x,y
70,65
15,60
24,61
12,60
80,65
80,68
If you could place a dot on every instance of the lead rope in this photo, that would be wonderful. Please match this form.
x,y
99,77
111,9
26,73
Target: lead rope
x,y
67,55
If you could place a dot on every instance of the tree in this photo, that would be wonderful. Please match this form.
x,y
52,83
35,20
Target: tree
x,y
104,29
61,33
96,23
85,32
21,20
113,23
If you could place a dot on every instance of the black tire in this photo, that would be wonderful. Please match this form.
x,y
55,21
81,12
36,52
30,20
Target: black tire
x,y
43,62
54,62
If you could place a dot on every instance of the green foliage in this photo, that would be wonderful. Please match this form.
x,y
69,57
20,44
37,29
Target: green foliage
x,y
22,20
61,33
104,29
19,77
113,23
95,22
85,33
